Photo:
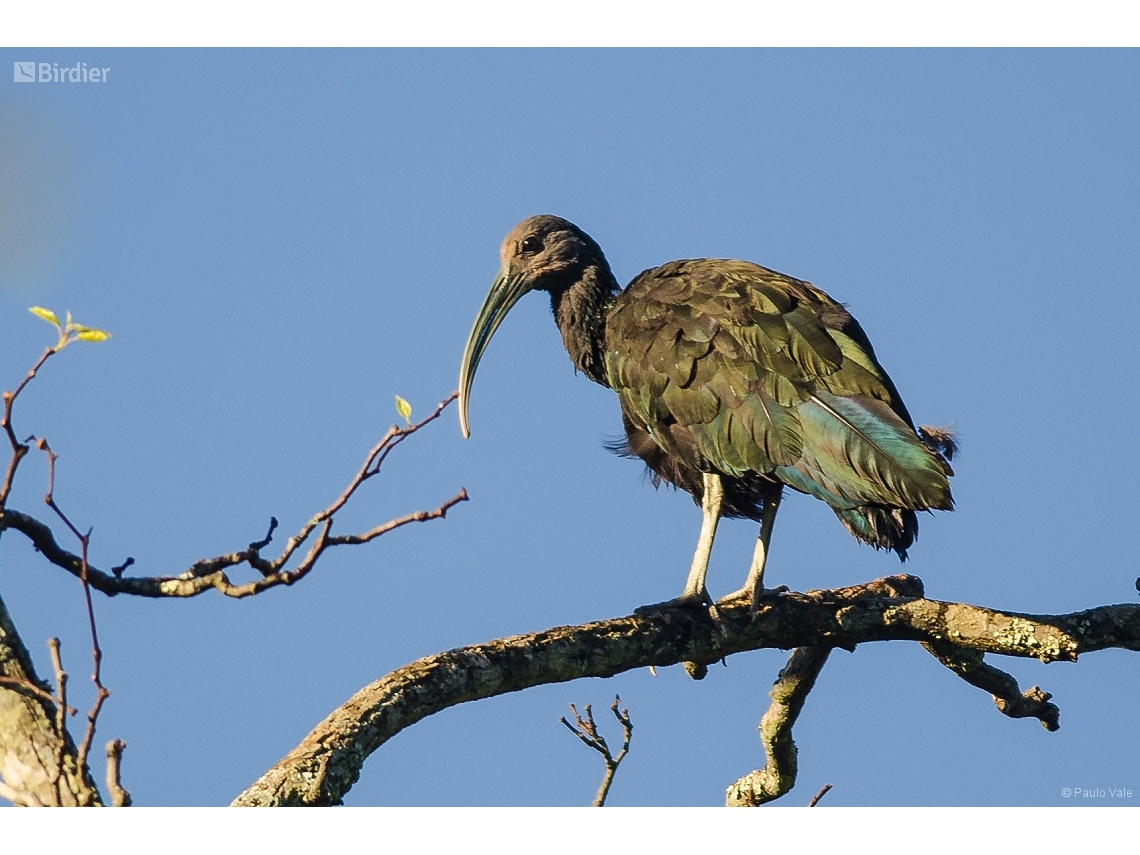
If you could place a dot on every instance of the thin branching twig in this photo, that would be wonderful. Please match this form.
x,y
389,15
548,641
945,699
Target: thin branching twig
x,y
101,691
587,731
210,573
85,794
316,534
19,449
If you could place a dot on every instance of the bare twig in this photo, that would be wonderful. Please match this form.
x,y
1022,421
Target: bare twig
x,y
210,573
101,691
823,792
788,695
265,541
201,576
370,468
19,449
587,731
119,796
60,715
118,570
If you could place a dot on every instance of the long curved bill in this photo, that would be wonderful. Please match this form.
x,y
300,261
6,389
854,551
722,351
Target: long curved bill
x,y
505,291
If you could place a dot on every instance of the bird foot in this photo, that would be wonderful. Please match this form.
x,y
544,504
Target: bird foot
x,y
686,601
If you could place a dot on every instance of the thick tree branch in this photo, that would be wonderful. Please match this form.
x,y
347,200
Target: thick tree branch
x,y
788,695
209,573
327,762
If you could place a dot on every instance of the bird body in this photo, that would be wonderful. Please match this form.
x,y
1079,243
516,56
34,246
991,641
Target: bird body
x,y
729,367
734,381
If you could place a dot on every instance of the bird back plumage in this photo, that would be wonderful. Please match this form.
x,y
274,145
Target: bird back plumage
x,y
725,366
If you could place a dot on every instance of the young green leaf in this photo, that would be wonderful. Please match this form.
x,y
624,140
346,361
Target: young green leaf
x,y
404,409
46,314
89,334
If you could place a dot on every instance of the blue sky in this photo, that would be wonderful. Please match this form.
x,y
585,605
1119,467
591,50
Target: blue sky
x,y
281,241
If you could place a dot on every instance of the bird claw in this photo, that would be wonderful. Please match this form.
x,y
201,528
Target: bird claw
x,y
688,601
685,601
754,598
763,594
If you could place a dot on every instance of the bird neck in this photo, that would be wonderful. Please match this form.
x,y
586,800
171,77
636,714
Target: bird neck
x,y
580,310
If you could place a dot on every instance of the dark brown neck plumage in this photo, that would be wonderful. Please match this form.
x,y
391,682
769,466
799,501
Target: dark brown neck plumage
x,y
580,311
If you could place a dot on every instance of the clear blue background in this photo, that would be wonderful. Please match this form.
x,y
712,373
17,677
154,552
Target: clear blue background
x,y
283,240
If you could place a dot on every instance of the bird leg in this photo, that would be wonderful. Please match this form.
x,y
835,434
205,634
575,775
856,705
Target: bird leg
x,y
710,509
754,583
695,592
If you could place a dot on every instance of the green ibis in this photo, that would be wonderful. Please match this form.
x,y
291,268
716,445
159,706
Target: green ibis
x,y
735,381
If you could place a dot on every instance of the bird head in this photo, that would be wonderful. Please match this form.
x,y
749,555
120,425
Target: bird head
x,y
542,253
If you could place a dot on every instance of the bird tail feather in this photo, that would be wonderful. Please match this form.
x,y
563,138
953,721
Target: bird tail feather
x,y
882,528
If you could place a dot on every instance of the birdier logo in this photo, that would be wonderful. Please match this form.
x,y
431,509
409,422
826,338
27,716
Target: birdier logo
x,y
51,72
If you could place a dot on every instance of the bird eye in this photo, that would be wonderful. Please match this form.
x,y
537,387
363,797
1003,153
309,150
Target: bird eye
x,y
531,244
